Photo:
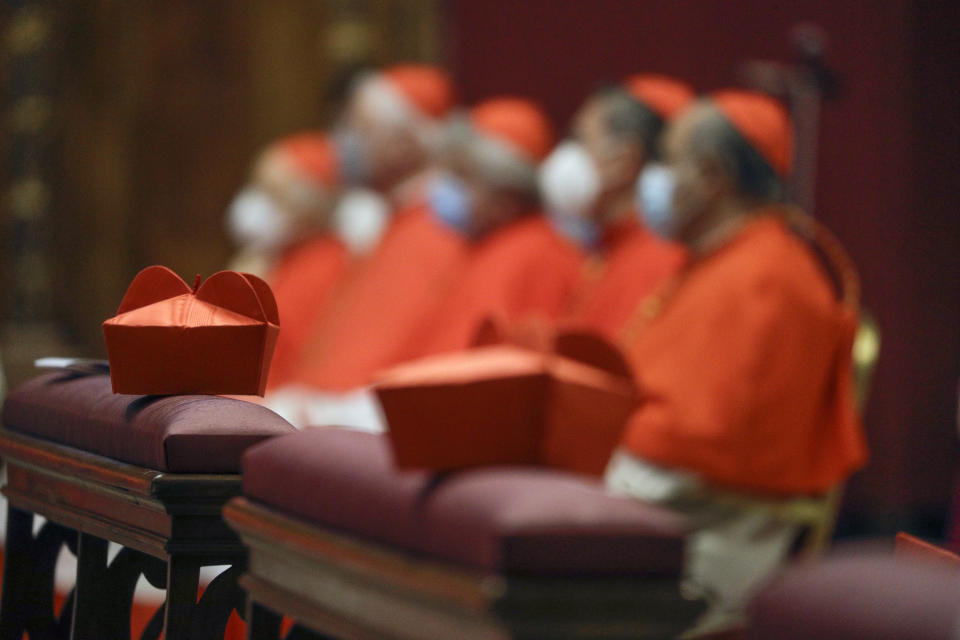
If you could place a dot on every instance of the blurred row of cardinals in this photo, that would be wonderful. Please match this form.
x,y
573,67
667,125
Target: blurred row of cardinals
x,y
399,232
658,223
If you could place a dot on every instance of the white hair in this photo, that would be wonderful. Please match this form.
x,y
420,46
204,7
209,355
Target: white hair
x,y
301,191
391,109
499,163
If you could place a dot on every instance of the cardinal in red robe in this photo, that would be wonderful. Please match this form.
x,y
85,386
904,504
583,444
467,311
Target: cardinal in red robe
x,y
744,357
384,141
282,220
516,265
590,184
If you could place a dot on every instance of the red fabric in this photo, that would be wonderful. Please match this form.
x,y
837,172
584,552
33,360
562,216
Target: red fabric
x,y
302,283
746,372
373,316
524,269
427,88
313,154
504,519
664,95
763,121
631,264
518,122
215,339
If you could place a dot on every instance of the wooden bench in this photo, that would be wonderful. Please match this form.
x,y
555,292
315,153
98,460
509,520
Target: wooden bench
x,y
350,548
107,468
869,596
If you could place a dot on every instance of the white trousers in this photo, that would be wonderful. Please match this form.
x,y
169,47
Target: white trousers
x,y
732,550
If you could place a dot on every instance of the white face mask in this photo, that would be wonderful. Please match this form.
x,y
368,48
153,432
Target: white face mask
x,y
256,222
655,188
569,182
360,218
570,185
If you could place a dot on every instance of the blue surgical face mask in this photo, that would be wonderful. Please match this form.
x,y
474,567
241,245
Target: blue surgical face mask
x,y
450,201
352,156
655,188
583,232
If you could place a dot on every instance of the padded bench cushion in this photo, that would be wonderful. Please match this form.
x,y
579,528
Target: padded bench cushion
x,y
859,598
182,434
515,520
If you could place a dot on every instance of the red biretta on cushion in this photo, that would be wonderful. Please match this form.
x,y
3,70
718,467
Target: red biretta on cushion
x,y
217,338
507,404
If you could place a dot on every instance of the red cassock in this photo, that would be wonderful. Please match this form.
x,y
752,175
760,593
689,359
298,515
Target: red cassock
x,y
302,282
523,270
380,305
746,371
631,263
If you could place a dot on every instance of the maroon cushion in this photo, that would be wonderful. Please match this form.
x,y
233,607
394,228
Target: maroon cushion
x,y
506,519
860,598
183,434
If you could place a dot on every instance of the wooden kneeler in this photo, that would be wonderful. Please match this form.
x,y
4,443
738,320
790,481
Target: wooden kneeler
x,y
64,442
347,589
169,526
350,548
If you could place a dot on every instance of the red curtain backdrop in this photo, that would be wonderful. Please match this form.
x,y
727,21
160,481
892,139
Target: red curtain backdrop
x,y
886,173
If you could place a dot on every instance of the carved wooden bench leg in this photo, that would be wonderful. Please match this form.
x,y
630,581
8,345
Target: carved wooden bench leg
x,y
27,604
88,614
302,633
18,546
105,594
183,581
105,591
169,525
262,623
155,627
221,597
188,617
